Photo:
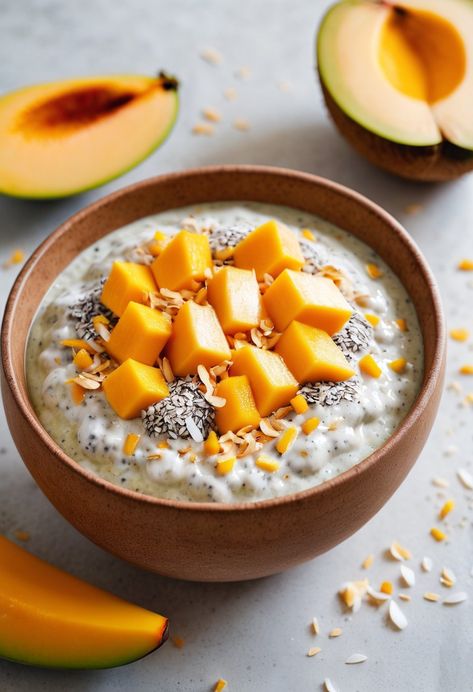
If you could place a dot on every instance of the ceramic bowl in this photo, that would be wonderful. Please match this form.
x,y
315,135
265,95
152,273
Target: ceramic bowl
x,y
207,541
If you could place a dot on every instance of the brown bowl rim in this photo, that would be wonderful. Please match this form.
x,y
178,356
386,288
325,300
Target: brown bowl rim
x,y
407,425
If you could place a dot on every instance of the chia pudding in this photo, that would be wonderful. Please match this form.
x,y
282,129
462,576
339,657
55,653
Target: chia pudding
x,y
349,368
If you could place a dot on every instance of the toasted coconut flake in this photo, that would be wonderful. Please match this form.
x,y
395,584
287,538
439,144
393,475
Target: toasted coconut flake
x,y
368,561
335,632
215,401
455,598
398,552
313,651
329,686
230,94
426,564
256,337
212,114
432,597
404,597
396,616
85,382
203,129
267,429
167,370
440,482
466,478
377,597
408,575
241,124
212,56
447,577
315,626
282,412
352,593
356,658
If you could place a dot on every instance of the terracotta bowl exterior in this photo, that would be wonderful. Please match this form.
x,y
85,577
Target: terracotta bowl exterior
x,y
207,541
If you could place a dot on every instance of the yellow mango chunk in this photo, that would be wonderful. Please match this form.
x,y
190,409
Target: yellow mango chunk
x,y
140,333
372,319
211,444
270,380
299,403
286,440
312,355
83,359
197,339
269,249
130,444
235,297
127,281
398,365
310,424
313,300
133,387
225,466
369,366
240,409
267,463
182,261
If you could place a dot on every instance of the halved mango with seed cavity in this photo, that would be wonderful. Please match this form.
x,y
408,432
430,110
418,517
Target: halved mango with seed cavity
x,y
313,300
127,281
235,296
269,249
240,408
271,382
141,333
133,387
197,338
184,260
312,355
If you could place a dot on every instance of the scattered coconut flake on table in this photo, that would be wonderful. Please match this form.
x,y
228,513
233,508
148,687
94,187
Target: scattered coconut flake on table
x,y
440,482
212,114
368,561
466,478
398,552
336,632
377,596
241,124
313,651
408,575
455,598
430,596
396,616
329,686
447,577
356,658
203,129
243,72
426,564
315,626
212,56
230,94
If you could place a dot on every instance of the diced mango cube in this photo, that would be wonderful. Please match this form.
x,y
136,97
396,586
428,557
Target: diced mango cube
x,y
235,297
141,333
269,249
310,424
312,355
267,463
398,365
197,338
127,281
286,440
211,444
133,387
369,366
130,444
240,409
313,300
225,466
270,380
77,393
372,319
83,359
185,259
299,403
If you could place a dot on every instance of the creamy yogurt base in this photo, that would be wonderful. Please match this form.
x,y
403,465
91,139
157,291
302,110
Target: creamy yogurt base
x,y
93,435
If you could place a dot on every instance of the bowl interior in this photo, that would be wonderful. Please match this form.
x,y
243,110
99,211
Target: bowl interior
x,y
309,193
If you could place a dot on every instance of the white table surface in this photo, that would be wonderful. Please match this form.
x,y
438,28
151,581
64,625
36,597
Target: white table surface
x,y
254,634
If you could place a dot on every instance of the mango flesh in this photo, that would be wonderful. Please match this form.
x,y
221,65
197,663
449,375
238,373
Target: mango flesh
x,y
234,295
65,137
269,249
50,618
140,333
313,300
197,339
312,355
271,382
127,281
240,409
184,260
133,387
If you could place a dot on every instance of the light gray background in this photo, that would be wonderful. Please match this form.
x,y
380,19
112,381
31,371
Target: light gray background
x,y
254,634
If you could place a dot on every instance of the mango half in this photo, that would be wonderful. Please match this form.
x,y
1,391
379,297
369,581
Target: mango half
x,y
51,619
65,137
397,78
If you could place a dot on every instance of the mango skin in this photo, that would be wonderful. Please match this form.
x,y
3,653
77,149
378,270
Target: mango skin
x,y
51,619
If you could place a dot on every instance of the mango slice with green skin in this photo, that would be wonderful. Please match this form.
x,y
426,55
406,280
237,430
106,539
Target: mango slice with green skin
x,y
66,137
51,619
